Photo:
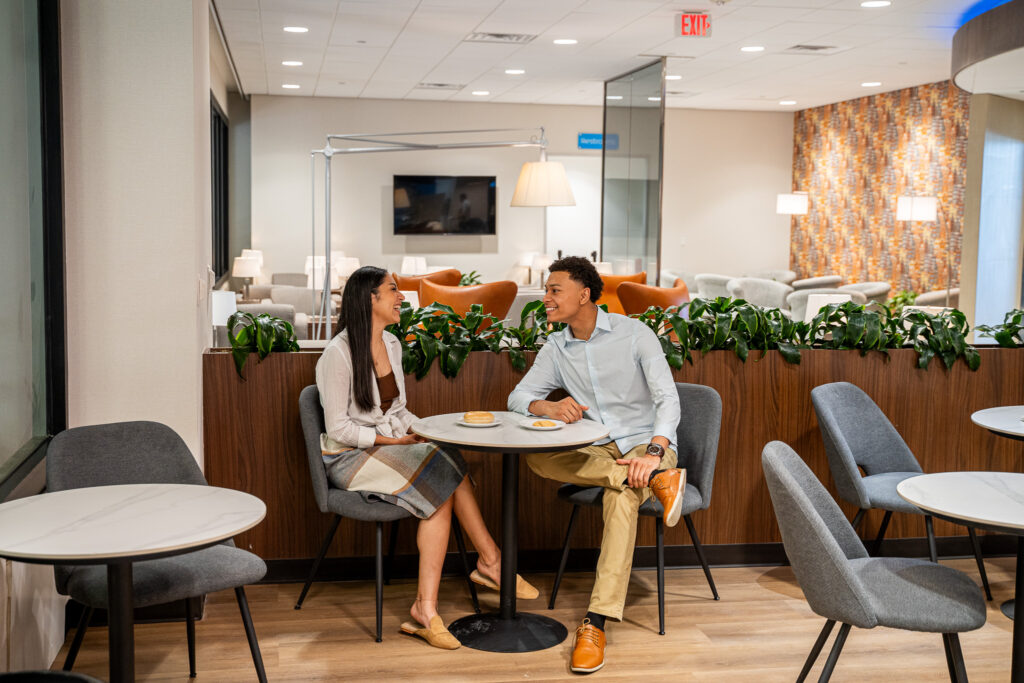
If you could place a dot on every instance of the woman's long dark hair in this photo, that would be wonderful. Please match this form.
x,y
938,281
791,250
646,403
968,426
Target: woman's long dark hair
x,y
357,317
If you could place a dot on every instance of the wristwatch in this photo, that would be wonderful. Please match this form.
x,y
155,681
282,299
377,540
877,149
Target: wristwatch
x,y
655,449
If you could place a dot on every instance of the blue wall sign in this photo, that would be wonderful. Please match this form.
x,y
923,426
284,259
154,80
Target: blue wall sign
x,y
594,140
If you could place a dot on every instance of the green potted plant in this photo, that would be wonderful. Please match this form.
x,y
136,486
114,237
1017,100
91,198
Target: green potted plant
x,y
260,334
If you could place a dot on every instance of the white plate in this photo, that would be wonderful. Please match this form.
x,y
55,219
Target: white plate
x,y
478,424
529,425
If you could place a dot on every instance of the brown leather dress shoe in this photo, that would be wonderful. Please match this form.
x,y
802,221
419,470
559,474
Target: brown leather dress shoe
x,y
588,652
668,488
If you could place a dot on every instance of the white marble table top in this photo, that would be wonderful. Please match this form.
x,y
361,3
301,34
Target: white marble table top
x,y
108,522
509,434
989,498
1004,419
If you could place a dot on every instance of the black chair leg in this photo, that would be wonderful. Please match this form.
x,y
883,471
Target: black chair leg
x,y
858,518
659,529
565,557
461,542
190,637
380,581
250,634
76,643
933,554
958,672
316,563
833,656
699,549
816,650
980,560
949,657
877,547
392,547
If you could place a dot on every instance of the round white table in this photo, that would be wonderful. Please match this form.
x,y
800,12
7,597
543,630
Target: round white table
x,y
118,525
987,500
508,630
1002,421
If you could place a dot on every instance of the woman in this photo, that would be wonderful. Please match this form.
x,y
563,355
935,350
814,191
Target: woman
x,y
368,446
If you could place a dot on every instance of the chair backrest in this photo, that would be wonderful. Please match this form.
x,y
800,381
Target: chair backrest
x,y
700,423
290,279
874,291
636,298
495,297
609,293
119,453
301,299
712,285
938,298
819,540
797,300
760,291
411,283
858,434
784,276
311,414
817,282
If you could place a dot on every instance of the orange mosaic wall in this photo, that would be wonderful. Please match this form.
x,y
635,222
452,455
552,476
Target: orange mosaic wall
x,y
854,159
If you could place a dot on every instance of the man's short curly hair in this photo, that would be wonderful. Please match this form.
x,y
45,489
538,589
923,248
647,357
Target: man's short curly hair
x,y
582,271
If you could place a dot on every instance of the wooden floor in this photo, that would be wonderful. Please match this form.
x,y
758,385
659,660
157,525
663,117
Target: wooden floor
x,y
761,630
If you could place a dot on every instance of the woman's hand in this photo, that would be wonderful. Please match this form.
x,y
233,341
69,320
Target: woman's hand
x,y
405,440
410,438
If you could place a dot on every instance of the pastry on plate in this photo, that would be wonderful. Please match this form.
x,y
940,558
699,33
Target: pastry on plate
x,y
545,423
478,417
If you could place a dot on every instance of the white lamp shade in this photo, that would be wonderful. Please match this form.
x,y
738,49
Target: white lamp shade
x,y
337,255
345,265
222,305
526,258
541,262
604,267
413,265
254,253
319,261
924,209
794,203
245,267
543,183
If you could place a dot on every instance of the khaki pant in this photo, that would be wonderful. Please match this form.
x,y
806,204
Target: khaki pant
x,y
596,466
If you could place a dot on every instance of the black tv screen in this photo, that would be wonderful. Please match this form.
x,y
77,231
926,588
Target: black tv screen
x,y
444,205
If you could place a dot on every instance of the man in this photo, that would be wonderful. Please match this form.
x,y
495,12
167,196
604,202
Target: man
x,y
615,373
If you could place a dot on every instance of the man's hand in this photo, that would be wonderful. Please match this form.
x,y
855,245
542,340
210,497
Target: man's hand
x,y
640,469
566,410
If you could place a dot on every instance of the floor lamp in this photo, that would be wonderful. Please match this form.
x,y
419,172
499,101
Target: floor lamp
x,y
926,210
541,183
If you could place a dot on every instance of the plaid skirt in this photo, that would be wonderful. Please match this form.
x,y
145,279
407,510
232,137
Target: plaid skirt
x,y
417,477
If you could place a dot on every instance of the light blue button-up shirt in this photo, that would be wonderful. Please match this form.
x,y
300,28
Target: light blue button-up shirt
x,y
620,374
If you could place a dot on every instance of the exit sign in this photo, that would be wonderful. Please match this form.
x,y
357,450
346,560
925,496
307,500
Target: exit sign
x,y
693,24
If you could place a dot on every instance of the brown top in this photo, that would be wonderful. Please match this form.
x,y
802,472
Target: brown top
x,y
388,390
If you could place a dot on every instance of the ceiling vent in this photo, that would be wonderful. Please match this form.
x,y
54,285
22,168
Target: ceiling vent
x,y
680,93
814,50
440,86
508,38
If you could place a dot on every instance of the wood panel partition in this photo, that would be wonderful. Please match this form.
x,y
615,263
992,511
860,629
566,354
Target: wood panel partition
x,y
253,440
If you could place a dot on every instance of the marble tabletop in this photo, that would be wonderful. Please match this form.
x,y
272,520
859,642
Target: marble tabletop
x,y
994,499
1004,419
133,520
509,434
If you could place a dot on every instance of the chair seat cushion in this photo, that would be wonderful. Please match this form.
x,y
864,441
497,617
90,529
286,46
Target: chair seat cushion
x,y
363,506
918,595
881,490
591,496
171,578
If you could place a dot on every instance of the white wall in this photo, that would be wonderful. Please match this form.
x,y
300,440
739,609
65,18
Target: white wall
x,y
722,172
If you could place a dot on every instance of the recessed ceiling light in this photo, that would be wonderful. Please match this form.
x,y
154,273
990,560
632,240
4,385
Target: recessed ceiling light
x,y
291,62
654,99
871,84
871,4
752,48
515,72
565,41
613,97
787,102
672,78
481,93
296,29
290,86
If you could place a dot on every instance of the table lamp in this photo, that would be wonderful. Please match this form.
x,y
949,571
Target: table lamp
x,y
246,268
541,263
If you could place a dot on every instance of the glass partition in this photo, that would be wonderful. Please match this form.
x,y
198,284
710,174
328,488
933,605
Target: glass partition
x,y
632,169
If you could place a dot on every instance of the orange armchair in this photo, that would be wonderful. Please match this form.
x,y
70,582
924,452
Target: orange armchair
x,y
411,283
495,297
637,298
611,284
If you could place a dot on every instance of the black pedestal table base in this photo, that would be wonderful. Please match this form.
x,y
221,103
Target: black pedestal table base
x,y
524,632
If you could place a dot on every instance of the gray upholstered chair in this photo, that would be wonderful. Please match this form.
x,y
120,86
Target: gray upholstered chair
x,y
146,453
700,423
46,677
938,298
299,298
826,281
285,312
798,300
842,583
876,292
858,436
767,293
352,504
290,279
712,285
786,277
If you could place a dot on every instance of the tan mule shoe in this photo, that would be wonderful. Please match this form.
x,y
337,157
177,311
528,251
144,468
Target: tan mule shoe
x,y
437,635
524,591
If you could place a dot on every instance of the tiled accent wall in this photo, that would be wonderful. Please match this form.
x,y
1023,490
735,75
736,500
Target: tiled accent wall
x,y
854,159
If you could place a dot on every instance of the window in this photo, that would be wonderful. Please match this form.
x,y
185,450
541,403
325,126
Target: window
x,y
219,195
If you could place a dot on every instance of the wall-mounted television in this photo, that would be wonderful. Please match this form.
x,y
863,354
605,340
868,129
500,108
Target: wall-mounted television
x,y
444,205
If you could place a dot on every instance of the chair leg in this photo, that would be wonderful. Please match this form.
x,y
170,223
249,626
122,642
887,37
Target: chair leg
x,y
461,542
659,530
858,518
190,637
980,560
392,547
949,657
380,581
316,563
958,672
877,547
699,549
250,634
565,557
76,643
833,656
812,656
933,554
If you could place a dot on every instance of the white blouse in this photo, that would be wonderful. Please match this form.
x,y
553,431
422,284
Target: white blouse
x,y
347,425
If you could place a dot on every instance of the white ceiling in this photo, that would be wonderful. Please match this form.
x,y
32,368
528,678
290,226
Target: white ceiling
x,y
386,48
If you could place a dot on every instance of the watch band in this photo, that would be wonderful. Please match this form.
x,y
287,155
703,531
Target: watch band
x,y
656,449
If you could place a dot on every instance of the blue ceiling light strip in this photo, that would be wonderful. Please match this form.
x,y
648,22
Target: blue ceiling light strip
x,y
979,7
